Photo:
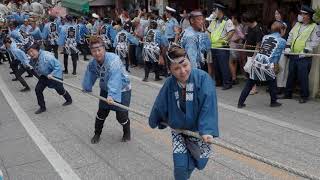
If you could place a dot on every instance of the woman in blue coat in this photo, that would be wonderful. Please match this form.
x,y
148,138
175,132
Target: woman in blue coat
x,y
187,101
114,85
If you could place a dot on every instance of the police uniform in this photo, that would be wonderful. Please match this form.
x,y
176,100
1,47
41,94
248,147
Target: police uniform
x,y
219,28
303,38
170,25
114,83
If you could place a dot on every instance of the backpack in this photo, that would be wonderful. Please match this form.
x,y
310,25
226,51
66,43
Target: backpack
x,y
105,37
151,49
122,46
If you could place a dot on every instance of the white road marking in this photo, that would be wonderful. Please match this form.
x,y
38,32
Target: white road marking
x,y
250,113
59,164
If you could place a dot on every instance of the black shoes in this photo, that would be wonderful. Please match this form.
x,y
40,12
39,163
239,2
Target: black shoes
x,y
303,100
158,79
275,104
40,110
285,97
145,79
126,135
227,87
67,103
74,73
29,76
126,132
235,82
25,89
65,72
95,139
240,106
15,79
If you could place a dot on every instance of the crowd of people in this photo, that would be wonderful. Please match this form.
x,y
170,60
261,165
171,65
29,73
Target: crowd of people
x,y
191,53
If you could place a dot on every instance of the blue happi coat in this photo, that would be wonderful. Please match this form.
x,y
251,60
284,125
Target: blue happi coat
x,y
201,105
198,114
111,73
50,33
36,33
18,54
83,32
108,35
269,54
195,44
47,64
69,40
25,28
121,43
153,41
16,35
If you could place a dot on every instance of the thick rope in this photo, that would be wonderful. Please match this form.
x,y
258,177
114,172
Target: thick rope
x,y
215,141
254,51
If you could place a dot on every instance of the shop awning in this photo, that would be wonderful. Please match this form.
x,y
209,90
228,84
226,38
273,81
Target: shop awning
x,y
81,6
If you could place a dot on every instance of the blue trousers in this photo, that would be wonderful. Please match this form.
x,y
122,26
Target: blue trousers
x,y
221,66
299,68
183,160
250,83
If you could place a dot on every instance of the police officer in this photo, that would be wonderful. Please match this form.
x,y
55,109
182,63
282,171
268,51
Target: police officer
x,y
114,85
46,66
171,24
222,30
303,38
194,40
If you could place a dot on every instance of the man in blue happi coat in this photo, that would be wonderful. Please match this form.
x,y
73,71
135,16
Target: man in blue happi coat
x,y
69,37
195,41
46,66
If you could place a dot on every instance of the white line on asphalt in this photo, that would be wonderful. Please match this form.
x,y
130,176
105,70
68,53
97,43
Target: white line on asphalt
x,y
250,113
59,164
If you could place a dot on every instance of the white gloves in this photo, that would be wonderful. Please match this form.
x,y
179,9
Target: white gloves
x,y
287,50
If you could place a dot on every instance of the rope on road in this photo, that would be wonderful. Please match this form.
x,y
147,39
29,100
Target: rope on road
x,y
196,135
254,51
